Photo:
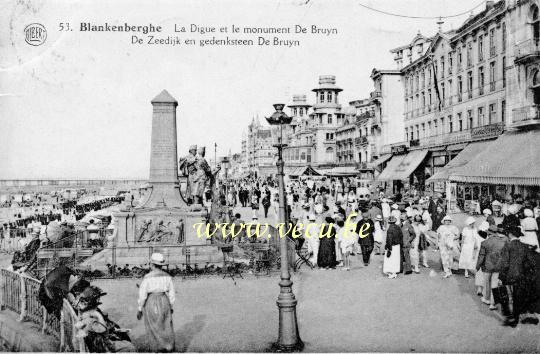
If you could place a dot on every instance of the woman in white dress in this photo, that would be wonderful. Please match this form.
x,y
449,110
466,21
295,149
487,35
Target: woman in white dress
x,y
414,252
529,227
469,241
313,239
347,242
379,235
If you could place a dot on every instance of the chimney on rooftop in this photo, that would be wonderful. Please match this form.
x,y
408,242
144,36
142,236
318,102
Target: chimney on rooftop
x,y
489,4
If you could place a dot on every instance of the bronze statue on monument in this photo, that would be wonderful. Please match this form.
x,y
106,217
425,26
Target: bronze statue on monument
x,y
200,176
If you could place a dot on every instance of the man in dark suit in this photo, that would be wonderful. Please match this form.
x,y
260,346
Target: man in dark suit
x,y
408,237
365,229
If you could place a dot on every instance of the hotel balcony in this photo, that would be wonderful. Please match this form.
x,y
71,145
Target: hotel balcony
x,y
527,50
525,116
375,95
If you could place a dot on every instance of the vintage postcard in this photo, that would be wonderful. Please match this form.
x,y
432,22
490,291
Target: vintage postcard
x,y
270,176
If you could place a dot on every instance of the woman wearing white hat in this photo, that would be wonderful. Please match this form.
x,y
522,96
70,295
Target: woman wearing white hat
x,y
469,243
312,237
156,300
448,234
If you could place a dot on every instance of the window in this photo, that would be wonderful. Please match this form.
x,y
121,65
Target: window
x,y
429,128
492,76
407,134
423,99
329,118
442,126
450,124
320,118
503,48
443,93
459,89
321,97
429,76
435,127
423,130
480,116
480,48
460,122
423,79
492,113
470,118
469,84
295,111
417,78
417,132
442,67
450,62
302,112
504,71
469,54
492,42
329,97
429,100
449,91
535,24
503,111
481,80
459,57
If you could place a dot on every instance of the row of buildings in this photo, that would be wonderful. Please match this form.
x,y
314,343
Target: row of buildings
x,y
459,114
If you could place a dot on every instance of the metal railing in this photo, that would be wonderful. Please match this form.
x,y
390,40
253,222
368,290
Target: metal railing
x,y
529,47
526,114
19,293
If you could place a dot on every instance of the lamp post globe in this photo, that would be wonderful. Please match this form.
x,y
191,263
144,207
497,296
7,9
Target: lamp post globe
x,y
288,335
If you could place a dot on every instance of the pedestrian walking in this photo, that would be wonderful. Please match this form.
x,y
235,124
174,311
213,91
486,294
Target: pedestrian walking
x,y
469,243
327,249
156,300
365,230
408,236
447,236
379,236
266,204
394,238
488,262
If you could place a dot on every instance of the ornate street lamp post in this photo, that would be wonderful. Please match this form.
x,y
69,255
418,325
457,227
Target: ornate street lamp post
x,y
289,338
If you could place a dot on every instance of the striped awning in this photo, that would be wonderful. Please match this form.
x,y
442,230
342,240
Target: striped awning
x,y
401,167
512,159
466,155
380,160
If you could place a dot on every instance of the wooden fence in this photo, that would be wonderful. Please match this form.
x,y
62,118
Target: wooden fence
x,y
19,293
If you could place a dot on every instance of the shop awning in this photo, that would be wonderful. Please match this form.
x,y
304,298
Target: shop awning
x,y
466,155
382,159
401,167
340,171
512,159
456,147
304,171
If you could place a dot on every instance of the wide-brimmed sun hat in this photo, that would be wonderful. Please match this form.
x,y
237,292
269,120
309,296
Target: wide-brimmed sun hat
x,y
447,218
470,220
392,219
157,259
486,212
378,218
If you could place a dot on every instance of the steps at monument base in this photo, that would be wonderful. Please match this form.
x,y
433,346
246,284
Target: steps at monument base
x,y
140,256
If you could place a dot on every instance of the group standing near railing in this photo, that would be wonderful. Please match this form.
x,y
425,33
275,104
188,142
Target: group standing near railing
x,y
19,293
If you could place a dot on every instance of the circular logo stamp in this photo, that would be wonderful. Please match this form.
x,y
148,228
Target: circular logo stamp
x,y
35,34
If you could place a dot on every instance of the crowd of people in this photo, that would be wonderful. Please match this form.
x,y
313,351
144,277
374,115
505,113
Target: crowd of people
x,y
503,258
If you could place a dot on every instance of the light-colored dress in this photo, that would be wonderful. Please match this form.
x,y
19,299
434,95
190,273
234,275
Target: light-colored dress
x,y
347,240
379,234
468,244
529,228
156,298
413,251
448,234
392,264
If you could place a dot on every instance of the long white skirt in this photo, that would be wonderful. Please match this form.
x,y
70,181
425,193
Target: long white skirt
x,y
392,264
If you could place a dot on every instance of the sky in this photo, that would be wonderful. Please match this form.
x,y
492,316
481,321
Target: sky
x,y
78,106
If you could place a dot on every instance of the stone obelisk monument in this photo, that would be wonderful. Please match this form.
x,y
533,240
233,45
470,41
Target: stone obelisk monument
x,y
163,217
163,179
